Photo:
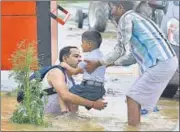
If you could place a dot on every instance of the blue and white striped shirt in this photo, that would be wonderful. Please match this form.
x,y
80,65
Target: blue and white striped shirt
x,y
148,44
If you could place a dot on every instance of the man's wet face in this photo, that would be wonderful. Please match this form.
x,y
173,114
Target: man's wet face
x,y
74,58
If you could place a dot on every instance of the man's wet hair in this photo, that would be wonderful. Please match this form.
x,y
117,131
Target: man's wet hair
x,y
66,51
127,5
93,36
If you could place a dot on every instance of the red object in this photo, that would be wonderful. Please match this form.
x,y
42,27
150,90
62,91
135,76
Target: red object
x,y
18,23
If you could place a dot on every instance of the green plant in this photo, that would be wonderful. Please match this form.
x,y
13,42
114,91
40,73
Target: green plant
x,y
24,61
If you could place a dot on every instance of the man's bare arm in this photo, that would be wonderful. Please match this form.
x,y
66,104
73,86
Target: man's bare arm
x,y
57,80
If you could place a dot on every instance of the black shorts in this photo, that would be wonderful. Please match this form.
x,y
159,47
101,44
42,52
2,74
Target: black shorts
x,y
89,92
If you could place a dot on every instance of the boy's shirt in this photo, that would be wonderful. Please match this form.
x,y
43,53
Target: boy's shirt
x,y
99,73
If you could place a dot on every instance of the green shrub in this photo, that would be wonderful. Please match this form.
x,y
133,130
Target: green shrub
x,y
24,61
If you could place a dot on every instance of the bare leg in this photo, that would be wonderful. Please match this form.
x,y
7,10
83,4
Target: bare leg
x,y
63,105
133,112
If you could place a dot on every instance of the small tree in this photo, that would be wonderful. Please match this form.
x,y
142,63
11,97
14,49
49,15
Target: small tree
x,y
24,61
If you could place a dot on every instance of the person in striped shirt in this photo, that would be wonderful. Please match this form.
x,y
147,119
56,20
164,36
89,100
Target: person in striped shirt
x,y
152,51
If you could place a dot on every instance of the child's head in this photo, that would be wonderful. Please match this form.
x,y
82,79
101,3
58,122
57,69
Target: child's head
x,y
91,40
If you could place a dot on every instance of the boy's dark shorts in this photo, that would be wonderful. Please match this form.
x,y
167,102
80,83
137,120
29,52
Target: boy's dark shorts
x,y
90,92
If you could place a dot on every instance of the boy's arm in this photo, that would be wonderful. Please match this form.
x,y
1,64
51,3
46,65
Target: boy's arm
x,y
73,71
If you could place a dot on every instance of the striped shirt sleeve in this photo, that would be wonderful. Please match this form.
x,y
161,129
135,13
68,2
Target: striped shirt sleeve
x,y
124,33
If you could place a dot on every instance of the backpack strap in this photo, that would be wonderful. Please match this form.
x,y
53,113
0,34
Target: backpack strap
x,y
40,74
73,82
51,90
60,68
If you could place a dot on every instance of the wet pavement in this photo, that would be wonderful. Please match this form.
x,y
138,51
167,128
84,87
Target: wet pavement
x,y
118,81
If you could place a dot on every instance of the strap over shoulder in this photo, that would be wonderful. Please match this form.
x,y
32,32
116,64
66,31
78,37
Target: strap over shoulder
x,y
42,72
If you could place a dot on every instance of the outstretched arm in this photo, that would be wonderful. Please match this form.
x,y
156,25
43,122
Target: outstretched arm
x,y
57,79
124,36
73,71
125,60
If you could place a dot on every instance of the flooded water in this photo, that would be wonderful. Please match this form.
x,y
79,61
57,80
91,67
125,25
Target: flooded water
x,y
114,117
118,81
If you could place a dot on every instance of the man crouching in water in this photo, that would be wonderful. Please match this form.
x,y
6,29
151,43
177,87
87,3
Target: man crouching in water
x,y
61,82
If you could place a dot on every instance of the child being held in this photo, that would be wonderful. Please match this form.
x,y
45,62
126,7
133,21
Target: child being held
x,y
92,86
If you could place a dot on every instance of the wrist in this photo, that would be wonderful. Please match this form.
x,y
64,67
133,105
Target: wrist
x,y
91,104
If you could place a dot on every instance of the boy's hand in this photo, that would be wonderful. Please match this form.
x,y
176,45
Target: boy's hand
x,y
64,64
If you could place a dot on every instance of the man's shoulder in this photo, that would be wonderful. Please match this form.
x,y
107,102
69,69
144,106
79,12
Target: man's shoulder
x,y
56,72
56,75
128,16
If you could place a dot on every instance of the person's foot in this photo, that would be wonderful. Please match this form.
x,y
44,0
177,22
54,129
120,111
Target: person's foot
x,y
156,109
144,111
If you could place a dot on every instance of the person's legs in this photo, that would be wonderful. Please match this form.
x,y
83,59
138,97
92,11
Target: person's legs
x,y
148,89
52,104
133,112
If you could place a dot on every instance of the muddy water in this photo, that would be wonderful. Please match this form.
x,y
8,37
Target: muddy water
x,y
114,117
118,81
8,105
